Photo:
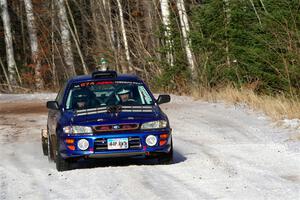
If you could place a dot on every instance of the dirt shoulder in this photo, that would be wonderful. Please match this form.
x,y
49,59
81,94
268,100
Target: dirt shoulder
x,y
26,107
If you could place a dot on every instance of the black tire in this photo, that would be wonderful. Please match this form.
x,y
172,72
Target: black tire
x,y
166,158
61,163
44,145
50,149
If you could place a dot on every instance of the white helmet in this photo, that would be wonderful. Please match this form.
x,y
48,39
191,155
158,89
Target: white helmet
x,y
123,91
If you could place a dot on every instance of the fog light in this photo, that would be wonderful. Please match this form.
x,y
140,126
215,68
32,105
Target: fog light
x,y
151,140
83,144
162,142
71,147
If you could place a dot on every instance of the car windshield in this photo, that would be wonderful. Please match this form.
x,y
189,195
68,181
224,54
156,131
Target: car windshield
x,y
88,95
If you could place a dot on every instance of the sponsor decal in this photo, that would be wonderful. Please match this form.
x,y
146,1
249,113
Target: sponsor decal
x,y
116,127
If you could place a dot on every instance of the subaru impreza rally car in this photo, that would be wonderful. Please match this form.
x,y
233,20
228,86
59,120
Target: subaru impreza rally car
x,y
106,115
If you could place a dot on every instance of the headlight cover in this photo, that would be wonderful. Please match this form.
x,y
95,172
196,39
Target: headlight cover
x,y
77,129
154,125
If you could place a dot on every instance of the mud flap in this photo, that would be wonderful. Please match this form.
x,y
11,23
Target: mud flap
x,y
44,137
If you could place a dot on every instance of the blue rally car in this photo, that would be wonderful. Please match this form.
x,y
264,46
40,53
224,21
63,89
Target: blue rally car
x,y
106,115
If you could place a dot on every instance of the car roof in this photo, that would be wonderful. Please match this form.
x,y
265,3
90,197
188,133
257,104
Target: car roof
x,y
120,77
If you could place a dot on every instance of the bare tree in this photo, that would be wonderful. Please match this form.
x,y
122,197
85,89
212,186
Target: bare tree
x,y
5,75
65,38
123,30
34,44
185,29
8,43
148,23
76,38
102,15
53,45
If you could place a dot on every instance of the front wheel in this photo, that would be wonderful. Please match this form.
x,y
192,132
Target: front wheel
x,y
61,163
49,149
167,158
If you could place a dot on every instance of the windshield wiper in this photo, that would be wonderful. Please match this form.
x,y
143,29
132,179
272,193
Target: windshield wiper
x,y
114,109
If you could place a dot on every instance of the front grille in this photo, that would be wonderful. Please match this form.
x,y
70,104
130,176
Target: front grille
x,y
116,127
101,144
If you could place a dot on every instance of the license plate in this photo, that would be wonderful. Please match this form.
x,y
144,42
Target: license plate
x,y
117,143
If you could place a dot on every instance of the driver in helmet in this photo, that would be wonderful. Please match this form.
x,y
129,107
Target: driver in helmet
x,y
124,96
80,98
81,103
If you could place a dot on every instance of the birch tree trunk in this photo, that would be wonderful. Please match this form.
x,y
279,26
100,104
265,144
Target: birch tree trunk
x,y
123,30
36,61
8,43
65,38
112,31
263,5
227,12
165,12
187,43
256,13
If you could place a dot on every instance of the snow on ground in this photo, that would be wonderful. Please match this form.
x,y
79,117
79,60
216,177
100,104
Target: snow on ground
x,y
221,152
291,123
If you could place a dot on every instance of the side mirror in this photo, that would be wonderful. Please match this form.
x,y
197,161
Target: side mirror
x,y
53,105
163,98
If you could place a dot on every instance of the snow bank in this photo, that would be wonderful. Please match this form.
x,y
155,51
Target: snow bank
x,y
291,123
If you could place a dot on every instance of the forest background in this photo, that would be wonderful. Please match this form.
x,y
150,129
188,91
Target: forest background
x,y
236,50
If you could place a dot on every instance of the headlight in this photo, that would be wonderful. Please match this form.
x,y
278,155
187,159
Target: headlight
x,y
77,129
154,124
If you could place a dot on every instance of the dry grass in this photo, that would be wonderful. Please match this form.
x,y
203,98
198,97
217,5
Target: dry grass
x,y
277,108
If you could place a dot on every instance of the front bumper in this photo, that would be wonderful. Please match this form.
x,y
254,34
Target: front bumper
x,y
94,152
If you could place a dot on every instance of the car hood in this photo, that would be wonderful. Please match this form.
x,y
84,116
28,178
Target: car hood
x,y
112,118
